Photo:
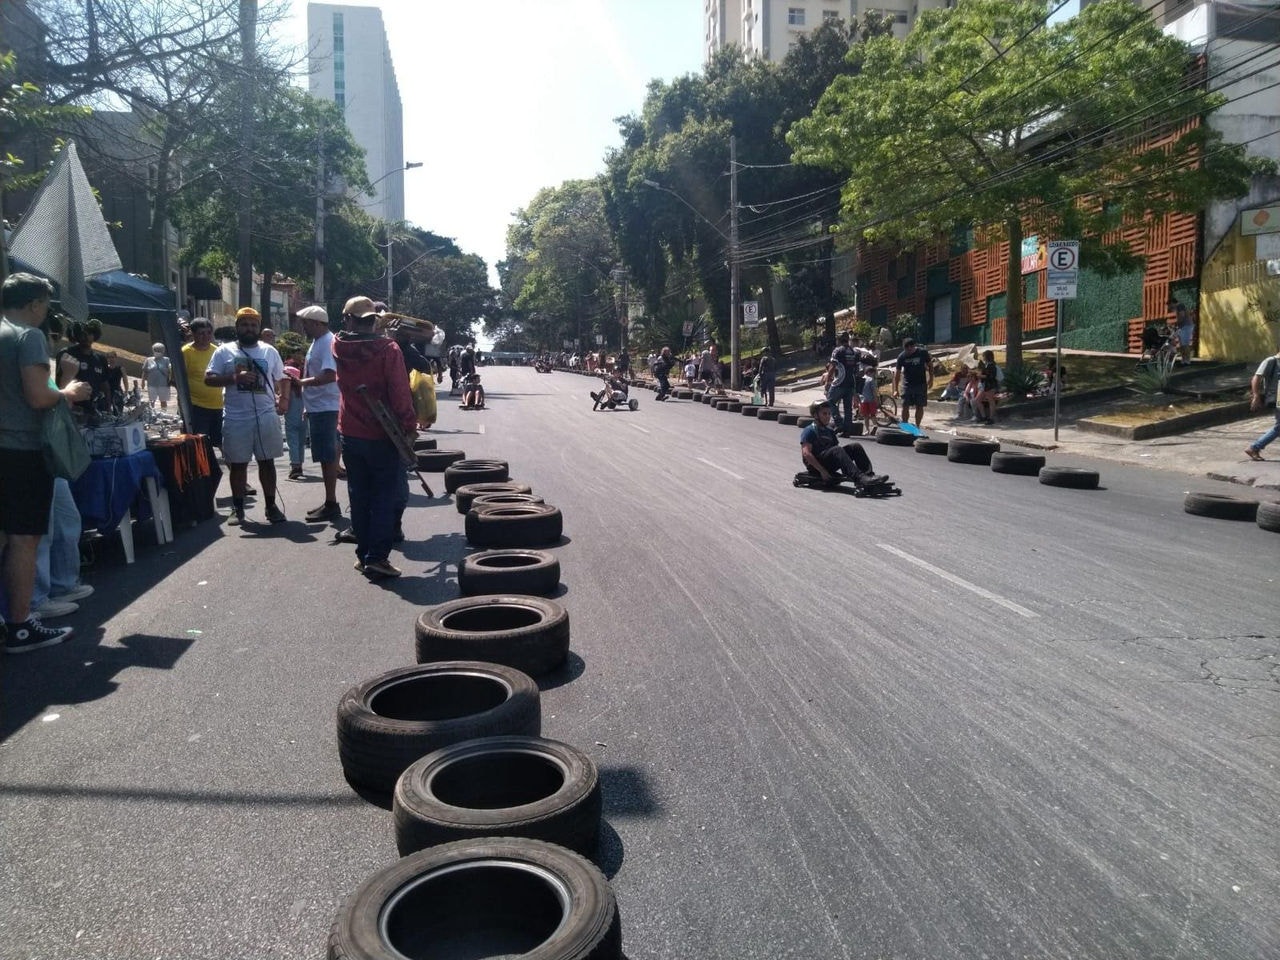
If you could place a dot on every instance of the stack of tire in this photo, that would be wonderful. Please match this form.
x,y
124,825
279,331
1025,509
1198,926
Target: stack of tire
x,y
495,824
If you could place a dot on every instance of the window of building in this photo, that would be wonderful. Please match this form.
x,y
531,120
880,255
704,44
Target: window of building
x,y
795,16
830,16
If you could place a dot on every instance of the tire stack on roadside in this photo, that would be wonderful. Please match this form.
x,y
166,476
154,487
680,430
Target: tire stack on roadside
x,y
494,823
1221,506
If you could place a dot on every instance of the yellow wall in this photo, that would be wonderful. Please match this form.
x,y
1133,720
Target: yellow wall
x,y
1239,304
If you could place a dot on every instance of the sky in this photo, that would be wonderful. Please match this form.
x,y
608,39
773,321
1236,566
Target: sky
x,y
504,97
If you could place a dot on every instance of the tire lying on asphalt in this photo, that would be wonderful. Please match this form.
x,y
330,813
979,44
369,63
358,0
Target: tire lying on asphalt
x,y
1269,516
893,437
386,723
1077,478
935,448
437,461
533,572
514,525
488,501
788,419
804,421
710,398
463,496
475,471
424,443
960,450
750,410
732,406
1221,506
505,897
1021,464
499,787
528,633
768,413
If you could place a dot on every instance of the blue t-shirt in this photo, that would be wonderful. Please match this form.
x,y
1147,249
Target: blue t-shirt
x,y
820,438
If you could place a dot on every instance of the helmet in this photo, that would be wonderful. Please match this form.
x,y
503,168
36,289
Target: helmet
x,y
818,405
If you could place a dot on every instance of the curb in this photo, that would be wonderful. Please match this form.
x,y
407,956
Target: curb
x,y
1174,425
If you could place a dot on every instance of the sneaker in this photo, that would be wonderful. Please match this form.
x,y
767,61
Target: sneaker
x,y
345,536
342,473
295,473
236,518
329,510
359,566
1252,453
380,568
32,635
250,491
870,479
78,592
274,513
54,608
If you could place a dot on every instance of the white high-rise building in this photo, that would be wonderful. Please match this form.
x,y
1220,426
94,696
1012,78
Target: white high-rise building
x,y
350,64
767,28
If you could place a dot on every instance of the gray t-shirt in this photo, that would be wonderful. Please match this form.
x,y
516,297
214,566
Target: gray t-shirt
x,y
20,346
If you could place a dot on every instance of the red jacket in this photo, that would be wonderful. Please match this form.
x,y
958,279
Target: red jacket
x,y
373,361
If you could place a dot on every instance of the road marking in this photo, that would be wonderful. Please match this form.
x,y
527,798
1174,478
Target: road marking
x,y
720,468
959,582
482,429
637,427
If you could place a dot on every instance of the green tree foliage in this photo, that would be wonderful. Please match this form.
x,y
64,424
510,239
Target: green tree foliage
x,y
440,283
984,115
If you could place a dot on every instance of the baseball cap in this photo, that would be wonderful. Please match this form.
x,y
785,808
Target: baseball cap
x,y
248,312
316,313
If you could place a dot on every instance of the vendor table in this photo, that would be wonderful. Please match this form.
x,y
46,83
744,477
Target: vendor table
x,y
191,475
106,492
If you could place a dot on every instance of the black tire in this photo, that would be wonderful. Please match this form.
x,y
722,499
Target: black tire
x,y
482,898
696,397
788,419
1221,506
1269,516
437,461
768,413
721,404
893,437
514,525
1077,478
499,787
463,496
732,406
386,723
489,501
980,452
682,394
533,572
528,633
475,471
750,410
804,421
424,443
937,448
1019,464
886,412
709,398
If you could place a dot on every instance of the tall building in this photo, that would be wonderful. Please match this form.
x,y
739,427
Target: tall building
x,y
767,28
350,64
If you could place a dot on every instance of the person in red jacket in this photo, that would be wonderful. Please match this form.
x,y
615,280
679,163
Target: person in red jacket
x,y
368,359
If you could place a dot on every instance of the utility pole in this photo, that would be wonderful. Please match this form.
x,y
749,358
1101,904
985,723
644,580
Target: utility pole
x,y
244,215
390,272
318,293
735,349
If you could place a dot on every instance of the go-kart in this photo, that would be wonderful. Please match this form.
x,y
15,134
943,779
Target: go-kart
x,y
611,396
811,478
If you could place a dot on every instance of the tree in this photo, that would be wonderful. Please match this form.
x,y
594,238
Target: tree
x,y
984,115
444,285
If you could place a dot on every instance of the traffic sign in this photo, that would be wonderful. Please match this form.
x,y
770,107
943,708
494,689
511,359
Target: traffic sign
x,y
687,327
751,313
599,339
1063,271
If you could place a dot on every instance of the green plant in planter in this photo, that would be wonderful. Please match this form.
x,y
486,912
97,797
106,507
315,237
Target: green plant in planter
x,y
1023,380
1153,377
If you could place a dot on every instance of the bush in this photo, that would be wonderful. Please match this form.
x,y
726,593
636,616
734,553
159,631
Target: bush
x,y
1153,377
1023,380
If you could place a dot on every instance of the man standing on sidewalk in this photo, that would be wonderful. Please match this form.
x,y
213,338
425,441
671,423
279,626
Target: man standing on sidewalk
x,y
206,401
1264,389
371,369
320,395
252,374
26,485
914,373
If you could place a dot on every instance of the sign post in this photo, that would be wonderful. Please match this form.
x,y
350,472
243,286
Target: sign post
x,y
1062,276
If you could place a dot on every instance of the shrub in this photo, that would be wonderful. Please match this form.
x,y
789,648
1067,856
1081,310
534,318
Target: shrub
x,y
1153,376
1023,380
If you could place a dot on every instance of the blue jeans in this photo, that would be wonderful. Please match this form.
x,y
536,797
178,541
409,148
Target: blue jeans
x,y
1270,435
295,432
374,476
843,392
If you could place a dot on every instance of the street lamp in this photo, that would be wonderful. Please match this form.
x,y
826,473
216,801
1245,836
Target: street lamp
x,y
391,240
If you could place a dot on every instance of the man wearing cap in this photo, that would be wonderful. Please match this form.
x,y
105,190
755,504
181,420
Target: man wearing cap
x,y
252,375
321,399
370,368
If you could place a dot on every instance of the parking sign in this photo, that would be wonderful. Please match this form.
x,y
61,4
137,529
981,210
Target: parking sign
x,y
1063,269
751,313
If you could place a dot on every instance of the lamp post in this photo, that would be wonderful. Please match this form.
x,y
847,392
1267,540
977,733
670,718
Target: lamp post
x,y
390,239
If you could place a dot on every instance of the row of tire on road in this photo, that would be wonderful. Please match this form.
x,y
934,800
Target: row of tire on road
x,y
495,824
988,453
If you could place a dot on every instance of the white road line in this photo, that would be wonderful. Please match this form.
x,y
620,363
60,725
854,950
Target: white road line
x,y
637,427
959,582
720,468
482,429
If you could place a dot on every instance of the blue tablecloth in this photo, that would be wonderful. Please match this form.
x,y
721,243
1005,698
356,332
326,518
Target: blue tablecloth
x,y
107,490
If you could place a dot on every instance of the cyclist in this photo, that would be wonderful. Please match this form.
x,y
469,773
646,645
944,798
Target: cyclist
x,y
822,453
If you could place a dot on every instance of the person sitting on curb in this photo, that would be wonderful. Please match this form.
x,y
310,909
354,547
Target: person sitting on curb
x,y
822,453
984,404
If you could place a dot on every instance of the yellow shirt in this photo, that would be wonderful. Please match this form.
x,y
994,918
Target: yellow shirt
x,y
197,362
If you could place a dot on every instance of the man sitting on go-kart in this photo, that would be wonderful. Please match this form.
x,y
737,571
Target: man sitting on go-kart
x,y
614,393
822,453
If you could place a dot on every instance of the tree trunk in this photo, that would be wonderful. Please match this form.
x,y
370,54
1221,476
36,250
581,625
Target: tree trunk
x,y
828,295
770,320
244,216
1013,295
264,296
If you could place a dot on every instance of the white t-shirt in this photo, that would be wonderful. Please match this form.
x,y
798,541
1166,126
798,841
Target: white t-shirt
x,y
322,399
157,371
251,400
1274,364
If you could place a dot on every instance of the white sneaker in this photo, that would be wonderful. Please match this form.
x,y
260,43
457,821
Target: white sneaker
x,y
78,592
54,608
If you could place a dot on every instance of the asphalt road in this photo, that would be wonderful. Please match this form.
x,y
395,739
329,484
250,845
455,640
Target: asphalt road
x,y
986,719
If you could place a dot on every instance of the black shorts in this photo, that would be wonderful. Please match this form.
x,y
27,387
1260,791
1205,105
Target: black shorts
x,y
208,422
26,493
